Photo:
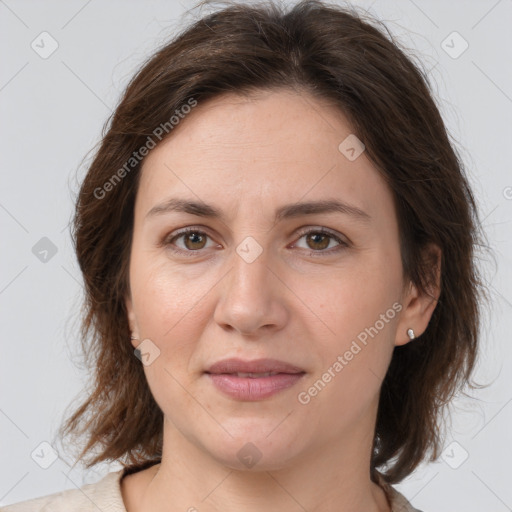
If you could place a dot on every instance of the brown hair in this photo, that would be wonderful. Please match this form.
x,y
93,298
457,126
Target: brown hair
x,y
337,55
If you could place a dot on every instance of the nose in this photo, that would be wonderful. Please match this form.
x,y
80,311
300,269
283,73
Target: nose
x,y
252,297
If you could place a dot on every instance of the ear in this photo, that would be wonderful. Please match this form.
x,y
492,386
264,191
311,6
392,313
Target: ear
x,y
132,322
419,306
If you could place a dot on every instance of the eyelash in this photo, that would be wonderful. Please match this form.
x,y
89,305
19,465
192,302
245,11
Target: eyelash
x,y
167,241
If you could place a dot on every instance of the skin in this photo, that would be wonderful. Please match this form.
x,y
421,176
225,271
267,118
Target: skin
x,y
249,156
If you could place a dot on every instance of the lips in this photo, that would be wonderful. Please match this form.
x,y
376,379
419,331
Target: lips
x,y
253,380
257,368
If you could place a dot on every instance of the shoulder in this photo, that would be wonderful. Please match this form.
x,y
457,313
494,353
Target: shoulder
x,y
104,495
397,501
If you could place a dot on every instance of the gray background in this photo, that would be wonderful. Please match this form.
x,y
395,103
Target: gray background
x,y
52,112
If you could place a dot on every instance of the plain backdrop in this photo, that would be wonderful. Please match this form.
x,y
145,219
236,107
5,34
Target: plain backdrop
x,y
63,67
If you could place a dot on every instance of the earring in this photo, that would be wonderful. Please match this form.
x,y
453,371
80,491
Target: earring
x,y
410,333
132,337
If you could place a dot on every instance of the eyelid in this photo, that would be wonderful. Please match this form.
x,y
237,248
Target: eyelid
x,y
167,239
343,242
325,231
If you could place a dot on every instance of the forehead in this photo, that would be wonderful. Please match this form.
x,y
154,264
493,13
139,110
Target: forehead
x,y
263,149
263,125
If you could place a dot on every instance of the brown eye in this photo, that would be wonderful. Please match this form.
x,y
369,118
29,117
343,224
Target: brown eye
x,y
193,240
318,241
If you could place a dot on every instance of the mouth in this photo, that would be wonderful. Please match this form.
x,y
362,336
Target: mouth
x,y
253,380
253,369
253,375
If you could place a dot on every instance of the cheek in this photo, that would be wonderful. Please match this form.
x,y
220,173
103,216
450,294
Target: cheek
x,y
354,359
353,300
170,314
167,299
360,307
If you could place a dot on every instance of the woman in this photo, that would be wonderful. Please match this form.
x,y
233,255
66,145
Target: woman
x,y
277,242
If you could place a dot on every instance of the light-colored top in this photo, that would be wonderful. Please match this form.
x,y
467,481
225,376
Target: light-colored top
x,y
105,495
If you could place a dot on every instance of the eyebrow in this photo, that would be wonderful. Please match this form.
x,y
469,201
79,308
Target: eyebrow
x,y
287,211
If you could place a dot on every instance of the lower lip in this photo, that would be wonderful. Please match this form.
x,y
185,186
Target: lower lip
x,y
245,388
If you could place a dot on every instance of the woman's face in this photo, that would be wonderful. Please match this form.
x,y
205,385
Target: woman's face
x,y
249,285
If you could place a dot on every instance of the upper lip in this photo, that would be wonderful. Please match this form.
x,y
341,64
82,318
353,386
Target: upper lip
x,y
235,365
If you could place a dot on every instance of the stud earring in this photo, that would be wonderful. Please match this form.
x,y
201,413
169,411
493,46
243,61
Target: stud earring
x,y
132,337
410,333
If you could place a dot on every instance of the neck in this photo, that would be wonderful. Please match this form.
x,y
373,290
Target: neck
x,y
330,478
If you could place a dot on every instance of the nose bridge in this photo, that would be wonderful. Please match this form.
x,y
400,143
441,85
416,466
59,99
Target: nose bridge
x,y
250,275
249,294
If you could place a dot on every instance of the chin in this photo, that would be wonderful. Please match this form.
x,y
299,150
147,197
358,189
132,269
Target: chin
x,y
251,458
258,447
